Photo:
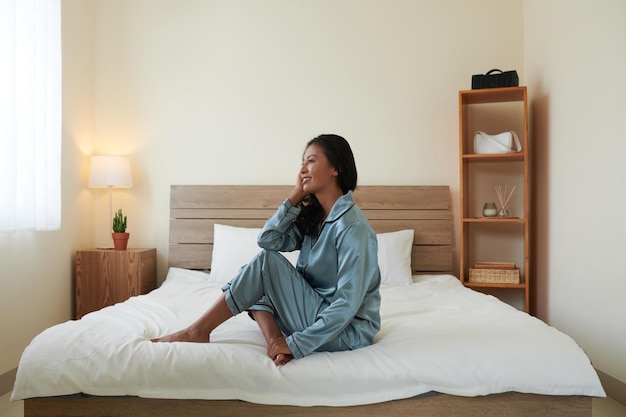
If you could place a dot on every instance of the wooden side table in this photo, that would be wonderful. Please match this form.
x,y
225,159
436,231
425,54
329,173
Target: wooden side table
x,y
106,277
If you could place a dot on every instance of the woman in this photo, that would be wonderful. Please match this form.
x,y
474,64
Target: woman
x,y
331,300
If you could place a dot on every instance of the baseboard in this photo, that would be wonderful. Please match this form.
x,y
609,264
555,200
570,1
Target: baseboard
x,y
613,387
6,381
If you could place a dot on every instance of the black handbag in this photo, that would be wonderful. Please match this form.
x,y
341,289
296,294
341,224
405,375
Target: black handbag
x,y
495,79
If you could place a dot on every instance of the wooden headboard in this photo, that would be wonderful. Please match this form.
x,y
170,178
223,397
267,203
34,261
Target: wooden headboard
x,y
194,209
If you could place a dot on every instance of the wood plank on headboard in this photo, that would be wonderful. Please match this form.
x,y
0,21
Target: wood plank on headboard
x,y
194,209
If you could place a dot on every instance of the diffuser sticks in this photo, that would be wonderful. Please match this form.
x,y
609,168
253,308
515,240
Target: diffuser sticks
x,y
503,197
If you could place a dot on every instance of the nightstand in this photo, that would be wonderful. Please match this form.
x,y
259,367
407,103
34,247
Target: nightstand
x,y
106,277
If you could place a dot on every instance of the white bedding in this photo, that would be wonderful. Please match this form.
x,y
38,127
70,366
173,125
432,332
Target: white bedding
x,y
436,336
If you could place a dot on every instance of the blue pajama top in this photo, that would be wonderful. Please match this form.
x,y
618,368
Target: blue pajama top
x,y
341,265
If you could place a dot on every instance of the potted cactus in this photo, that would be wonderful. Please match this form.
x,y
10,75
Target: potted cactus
x,y
120,237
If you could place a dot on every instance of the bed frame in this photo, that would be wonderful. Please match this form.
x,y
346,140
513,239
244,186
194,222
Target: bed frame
x,y
195,209
426,209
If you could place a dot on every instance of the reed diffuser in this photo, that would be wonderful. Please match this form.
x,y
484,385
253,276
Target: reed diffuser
x,y
503,197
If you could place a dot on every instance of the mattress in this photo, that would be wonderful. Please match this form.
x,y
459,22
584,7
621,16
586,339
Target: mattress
x,y
436,336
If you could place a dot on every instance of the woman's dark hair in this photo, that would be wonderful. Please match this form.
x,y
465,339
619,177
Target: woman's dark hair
x,y
340,156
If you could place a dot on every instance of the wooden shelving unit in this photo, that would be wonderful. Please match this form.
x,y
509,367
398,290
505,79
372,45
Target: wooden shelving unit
x,y
498,239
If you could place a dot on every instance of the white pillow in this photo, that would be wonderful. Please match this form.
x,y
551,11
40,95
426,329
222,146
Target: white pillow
x,y
394,257
234,247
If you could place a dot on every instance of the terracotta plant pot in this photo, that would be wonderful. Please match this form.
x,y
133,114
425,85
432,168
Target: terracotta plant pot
x,y
120,240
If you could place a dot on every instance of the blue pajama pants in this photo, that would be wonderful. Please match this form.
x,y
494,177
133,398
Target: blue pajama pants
x,y
271,283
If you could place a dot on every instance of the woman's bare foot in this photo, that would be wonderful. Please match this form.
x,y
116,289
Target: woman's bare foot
x,y
282,359
200,330
185,335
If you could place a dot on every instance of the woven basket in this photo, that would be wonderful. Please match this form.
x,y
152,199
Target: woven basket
x,y
499,276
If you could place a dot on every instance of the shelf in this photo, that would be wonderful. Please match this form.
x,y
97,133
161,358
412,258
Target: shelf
x,y
493,95
494,220
493,157
494,285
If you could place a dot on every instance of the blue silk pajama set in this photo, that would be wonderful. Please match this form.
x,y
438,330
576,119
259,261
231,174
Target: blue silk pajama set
x,y
330,301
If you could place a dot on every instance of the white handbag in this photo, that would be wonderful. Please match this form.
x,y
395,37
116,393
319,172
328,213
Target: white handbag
x,y
505,142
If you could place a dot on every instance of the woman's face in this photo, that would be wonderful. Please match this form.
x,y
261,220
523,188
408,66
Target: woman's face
x,y
317,173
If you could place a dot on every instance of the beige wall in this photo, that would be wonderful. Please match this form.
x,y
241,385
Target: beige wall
x,y
228,92
575,63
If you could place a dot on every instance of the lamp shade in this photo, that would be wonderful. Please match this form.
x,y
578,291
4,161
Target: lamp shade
x,y
109,171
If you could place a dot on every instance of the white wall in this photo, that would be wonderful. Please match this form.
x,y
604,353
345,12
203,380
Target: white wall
x,y
575,61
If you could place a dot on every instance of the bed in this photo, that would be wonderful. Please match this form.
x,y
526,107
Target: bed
x,y
443,349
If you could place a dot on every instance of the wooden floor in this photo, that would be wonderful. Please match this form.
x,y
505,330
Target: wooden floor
x,y
602,407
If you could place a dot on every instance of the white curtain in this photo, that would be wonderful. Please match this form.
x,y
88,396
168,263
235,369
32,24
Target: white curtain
x,y
30,115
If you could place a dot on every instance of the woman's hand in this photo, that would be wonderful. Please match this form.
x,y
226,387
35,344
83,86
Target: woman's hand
x,y
297,194
279,351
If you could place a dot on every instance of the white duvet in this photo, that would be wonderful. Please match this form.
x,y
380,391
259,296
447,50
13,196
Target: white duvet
x,y
436,336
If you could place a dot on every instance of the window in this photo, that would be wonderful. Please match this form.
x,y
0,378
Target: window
x,y
30,115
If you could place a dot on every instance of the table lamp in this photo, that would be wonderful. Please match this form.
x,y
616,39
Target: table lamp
x,y
109,171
